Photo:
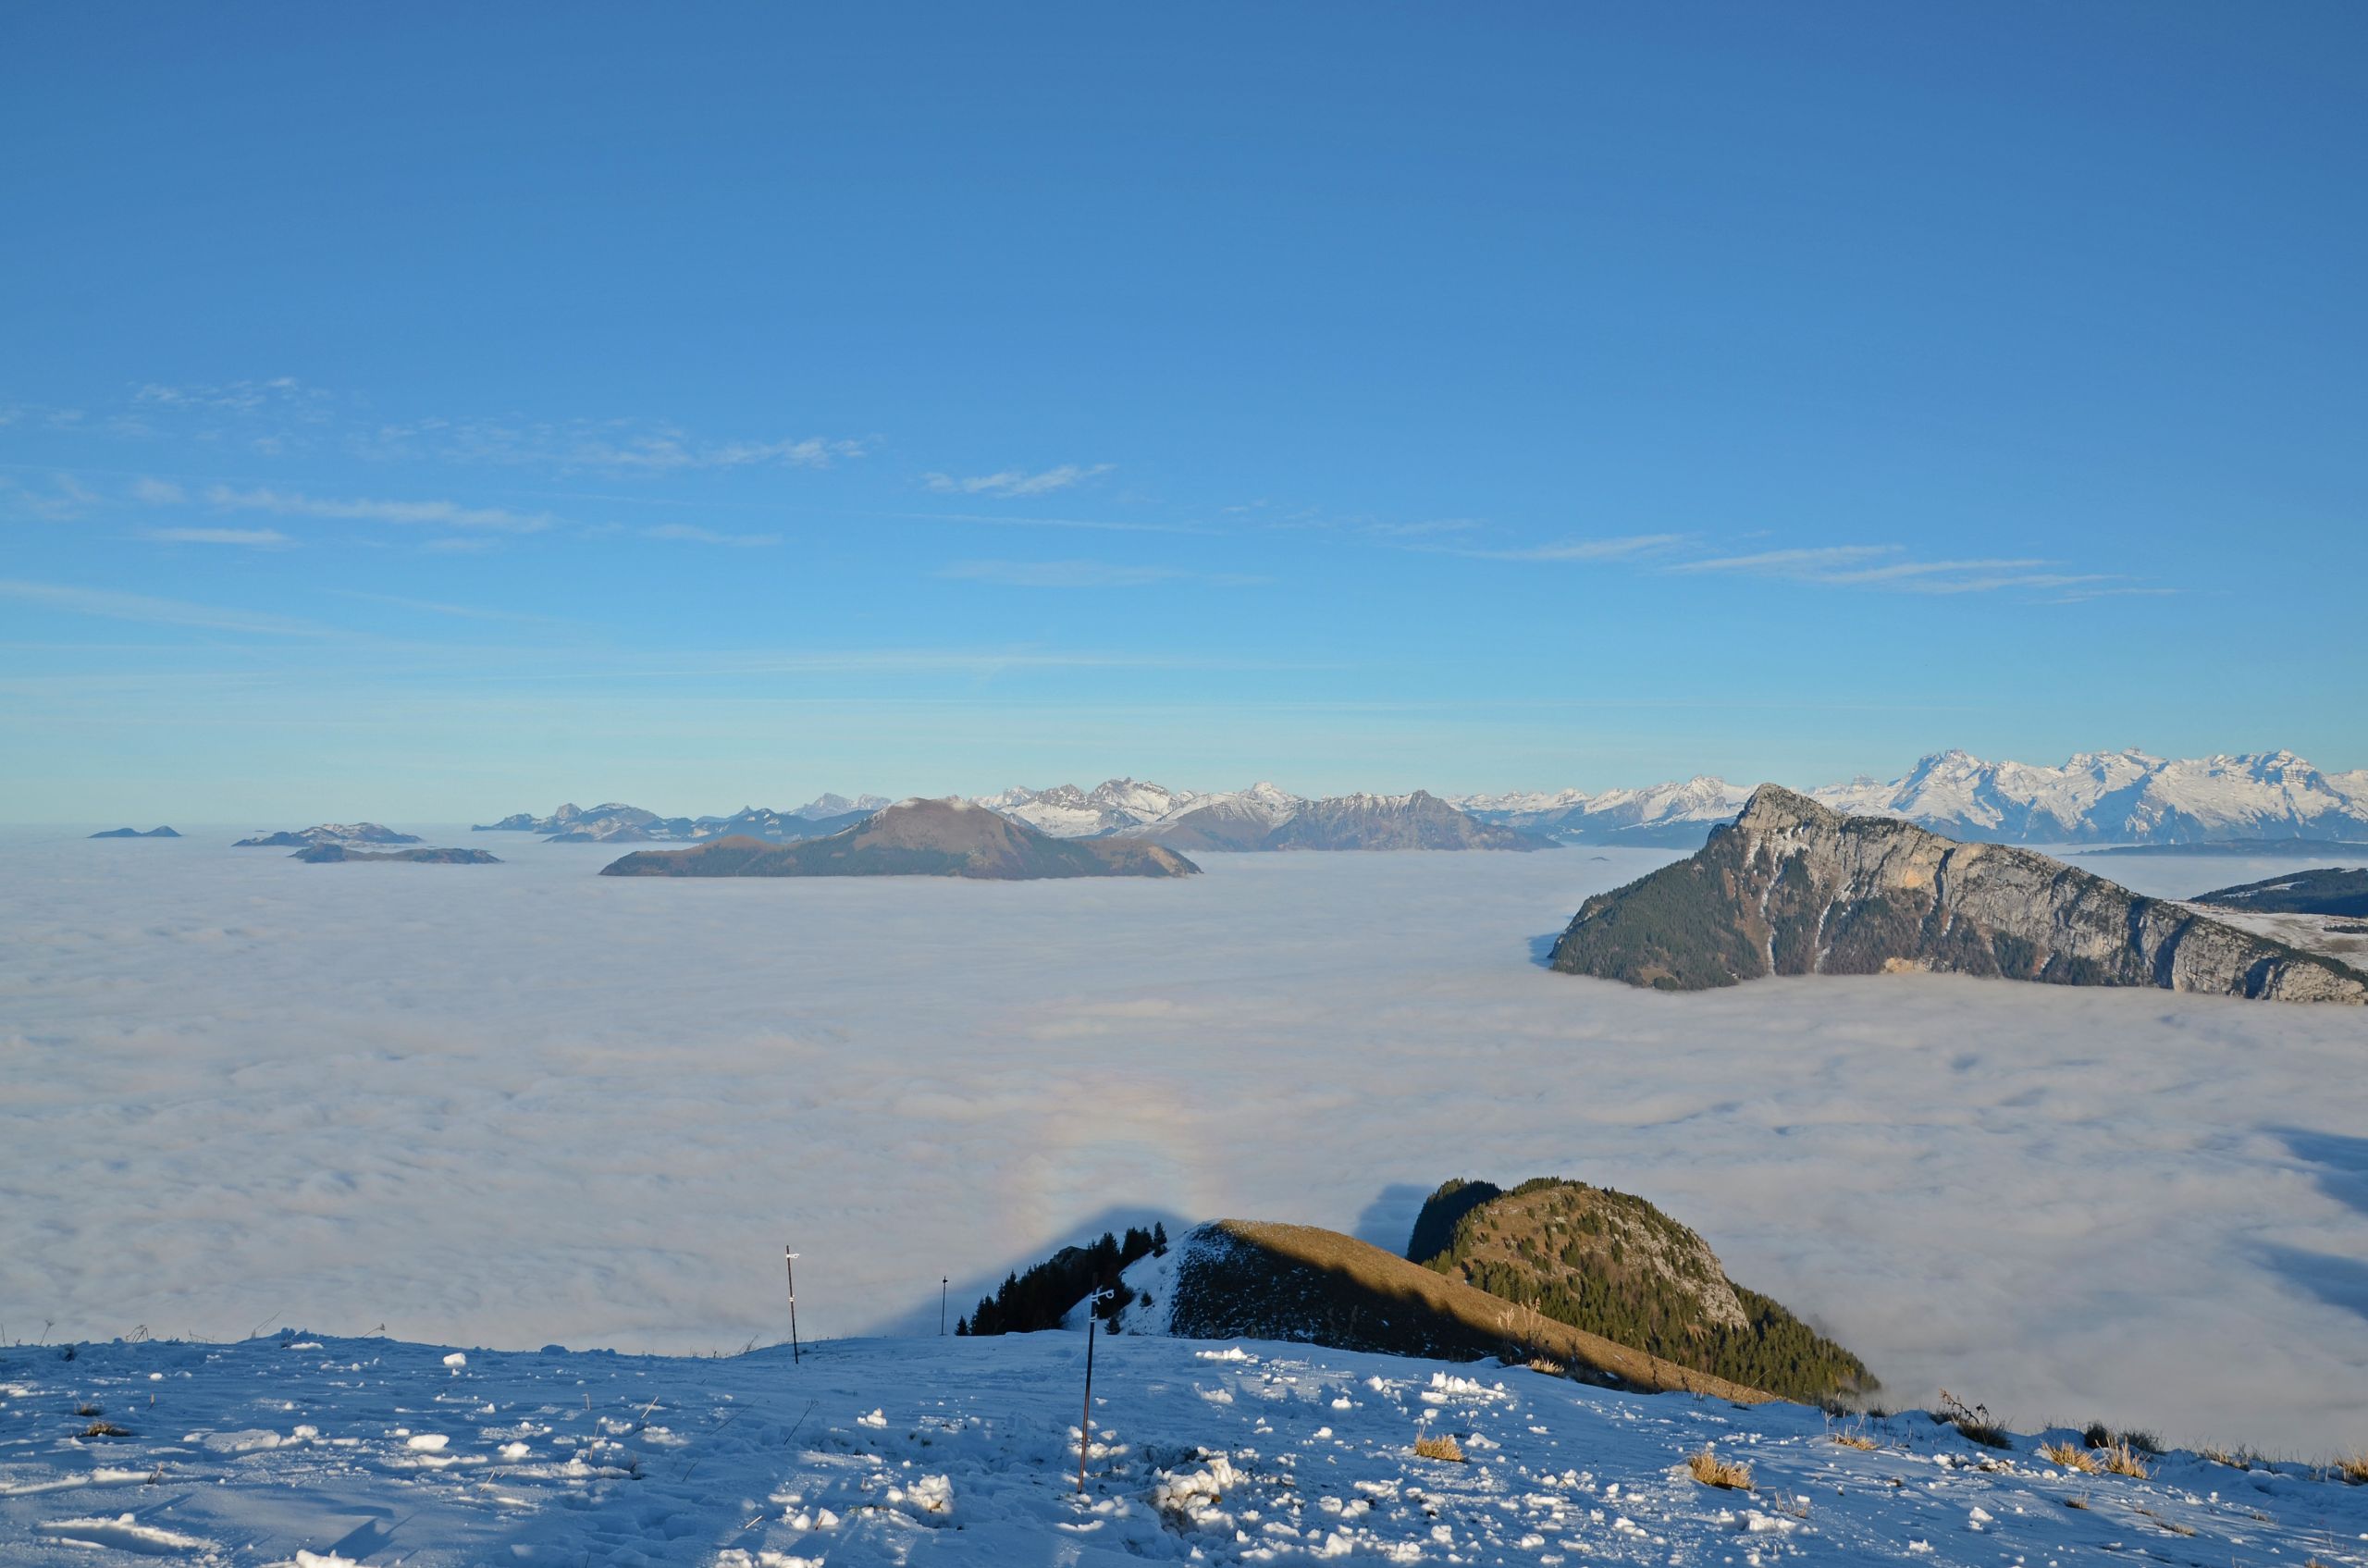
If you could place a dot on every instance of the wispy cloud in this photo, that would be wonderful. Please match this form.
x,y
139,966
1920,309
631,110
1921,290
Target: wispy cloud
x,y
1085,575
2081,595
618,446
113,606
460,612
1015,481
1425,530
1001,520
66,497
1875,567
1626,546
1790,562
690,533
430,514
265,538
157,492
283,393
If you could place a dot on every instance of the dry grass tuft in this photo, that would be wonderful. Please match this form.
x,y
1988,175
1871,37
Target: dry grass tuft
x,y
2353,1468
2173,1525
1712,1471
1859,1440
2122,1459
105,1429
2069,1455
1548,1365
1438,1448
1974,1425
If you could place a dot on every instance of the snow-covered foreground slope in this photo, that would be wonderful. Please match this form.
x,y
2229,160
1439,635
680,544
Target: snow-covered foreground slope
x,y
333,1451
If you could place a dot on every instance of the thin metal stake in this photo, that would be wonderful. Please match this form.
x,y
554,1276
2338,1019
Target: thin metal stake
x,y
1085,1423
789,1262
942,1283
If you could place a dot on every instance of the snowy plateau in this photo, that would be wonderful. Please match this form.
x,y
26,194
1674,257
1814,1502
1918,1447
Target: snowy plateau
x,y
550,1107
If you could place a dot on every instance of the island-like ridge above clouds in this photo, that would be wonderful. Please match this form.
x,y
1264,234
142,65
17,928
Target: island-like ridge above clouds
x,y
943,838
1792,887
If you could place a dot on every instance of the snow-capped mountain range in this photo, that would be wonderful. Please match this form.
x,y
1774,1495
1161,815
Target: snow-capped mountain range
x,y
2094,797
615,823
1679,814
2119,797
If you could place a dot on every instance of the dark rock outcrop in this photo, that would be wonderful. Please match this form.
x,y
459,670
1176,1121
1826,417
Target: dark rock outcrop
x,y
2328,890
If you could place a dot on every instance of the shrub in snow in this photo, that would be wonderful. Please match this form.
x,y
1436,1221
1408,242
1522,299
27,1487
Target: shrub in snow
x,y
1711,1471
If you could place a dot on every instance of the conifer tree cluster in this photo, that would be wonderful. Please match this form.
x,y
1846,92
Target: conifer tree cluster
x,y
1042,1297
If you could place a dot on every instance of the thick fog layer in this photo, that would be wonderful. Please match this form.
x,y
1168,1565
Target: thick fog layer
x,y
520,1104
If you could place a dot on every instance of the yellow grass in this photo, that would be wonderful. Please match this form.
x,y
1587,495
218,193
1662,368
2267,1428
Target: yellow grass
x,y
2122,1459
1438,1448
2069,1455
1856,1441
1712,1471
1359,1283
2354,1468
1548,1364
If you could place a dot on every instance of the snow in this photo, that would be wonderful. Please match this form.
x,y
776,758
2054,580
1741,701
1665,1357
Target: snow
x,y
1701,799
1528,802
885,1450
838,805
2117,796
549,1105
1112,806
2093,797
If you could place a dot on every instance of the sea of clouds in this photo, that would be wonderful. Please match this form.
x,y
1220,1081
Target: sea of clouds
x,y
521,1103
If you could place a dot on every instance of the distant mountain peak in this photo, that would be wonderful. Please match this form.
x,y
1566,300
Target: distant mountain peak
x,y
349,835
1773,808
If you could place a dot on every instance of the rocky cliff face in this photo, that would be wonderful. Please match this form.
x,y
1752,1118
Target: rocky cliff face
x,y
1792,888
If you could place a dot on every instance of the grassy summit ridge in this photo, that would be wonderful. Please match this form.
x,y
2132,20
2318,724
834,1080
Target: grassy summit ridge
x,y
1611,1264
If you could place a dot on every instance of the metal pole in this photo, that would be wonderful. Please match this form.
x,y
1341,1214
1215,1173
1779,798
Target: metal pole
x,y
1085,1423
942,1283
789,1262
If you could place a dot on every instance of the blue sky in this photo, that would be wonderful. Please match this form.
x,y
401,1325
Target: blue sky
x,y
437,413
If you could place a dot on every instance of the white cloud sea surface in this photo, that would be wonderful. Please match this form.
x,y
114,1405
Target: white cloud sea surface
x,y
521,1104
